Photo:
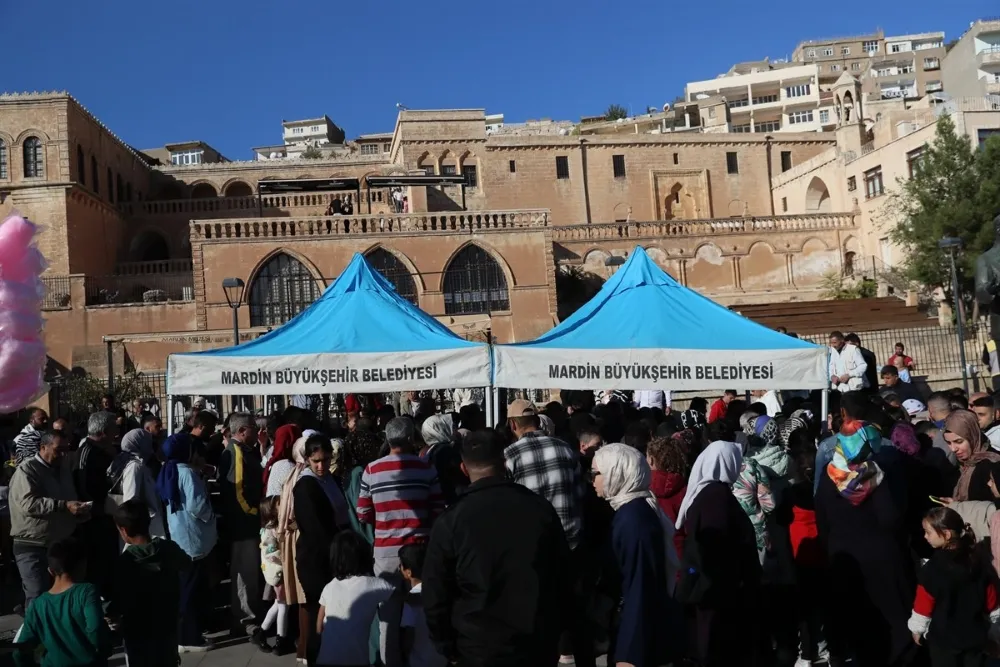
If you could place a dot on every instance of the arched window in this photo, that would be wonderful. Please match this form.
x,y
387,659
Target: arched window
x,y
149,246
474,283
94,176
111,186
282,289
395,272
119,188
34,159
81,165
3,160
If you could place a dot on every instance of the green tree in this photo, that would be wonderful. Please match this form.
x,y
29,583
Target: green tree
x,y
615,111
312,153
83,391
574,287
953,192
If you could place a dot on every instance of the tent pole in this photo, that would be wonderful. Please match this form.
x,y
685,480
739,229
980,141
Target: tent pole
x,y
824,409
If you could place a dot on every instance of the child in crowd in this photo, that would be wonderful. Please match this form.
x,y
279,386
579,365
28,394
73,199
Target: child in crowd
x,y
147,589
270,563
904,372
349,603
418,649
66,625
956,597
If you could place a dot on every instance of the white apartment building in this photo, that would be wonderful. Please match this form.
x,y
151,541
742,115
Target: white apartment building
x,y
909,68
784,99
972,67
297,135
494,121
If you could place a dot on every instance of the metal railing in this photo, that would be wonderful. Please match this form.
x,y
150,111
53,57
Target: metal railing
x,y
57,292
342,225
151,288
662,228
157,267
934,349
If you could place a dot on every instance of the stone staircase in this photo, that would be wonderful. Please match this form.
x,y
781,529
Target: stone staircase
x,y
813,317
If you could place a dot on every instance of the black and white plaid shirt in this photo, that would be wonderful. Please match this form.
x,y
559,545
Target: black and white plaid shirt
x,y
550,468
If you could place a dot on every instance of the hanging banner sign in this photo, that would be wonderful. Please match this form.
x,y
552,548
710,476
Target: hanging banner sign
x,y
634,368
328,373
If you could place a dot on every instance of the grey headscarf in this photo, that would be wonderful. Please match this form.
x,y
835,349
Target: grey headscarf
x,y
548,426
438,430
138,442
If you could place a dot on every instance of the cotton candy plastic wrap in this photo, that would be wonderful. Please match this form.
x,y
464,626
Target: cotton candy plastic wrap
x,y
22,351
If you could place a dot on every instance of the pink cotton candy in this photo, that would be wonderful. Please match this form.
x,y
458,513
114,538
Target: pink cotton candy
x,y
20,325
16,233
22,351
28,265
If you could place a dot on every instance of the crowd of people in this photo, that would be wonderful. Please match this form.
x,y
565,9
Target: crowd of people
x,y
749,531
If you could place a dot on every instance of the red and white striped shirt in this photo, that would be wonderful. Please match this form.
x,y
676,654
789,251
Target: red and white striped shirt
x,y
401,496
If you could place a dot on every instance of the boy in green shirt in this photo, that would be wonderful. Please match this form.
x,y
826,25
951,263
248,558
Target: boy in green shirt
x,y
65,627
147,590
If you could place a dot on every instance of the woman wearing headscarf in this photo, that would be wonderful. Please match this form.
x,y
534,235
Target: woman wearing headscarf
x,y
192,526
321,512
720,573
642,541
280,466
978,463
438,432
288,536
861,517
131,477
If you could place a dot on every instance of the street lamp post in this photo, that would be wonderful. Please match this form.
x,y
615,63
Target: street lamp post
x,y
233,288
952,245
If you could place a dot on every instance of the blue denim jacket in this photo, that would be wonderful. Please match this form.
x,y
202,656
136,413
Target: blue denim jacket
x,y
824,454
193,526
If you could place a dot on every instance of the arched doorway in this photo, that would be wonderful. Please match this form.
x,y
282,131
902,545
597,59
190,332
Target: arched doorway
x,y
282,288
474,283
238,189
395,272
818,197
148,246
203,191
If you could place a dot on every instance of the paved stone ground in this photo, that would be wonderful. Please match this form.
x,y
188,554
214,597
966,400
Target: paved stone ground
x,y
232,653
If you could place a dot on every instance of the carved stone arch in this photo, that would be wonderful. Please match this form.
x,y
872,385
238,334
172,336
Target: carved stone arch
x,y
490,250
622,211
398,270
594,258
763,267
237,187
281,287
394,169
7,138
818,197
736,208
294,254
148,245
404,259
306,176
812,241
479,288
43,136
203,189
447,159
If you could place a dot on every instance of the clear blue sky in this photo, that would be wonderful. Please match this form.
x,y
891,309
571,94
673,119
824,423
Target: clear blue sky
x,y
227,71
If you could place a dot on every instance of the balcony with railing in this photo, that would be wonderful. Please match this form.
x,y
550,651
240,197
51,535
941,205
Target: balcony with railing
x,y
700,228
452,222
989,56
248,205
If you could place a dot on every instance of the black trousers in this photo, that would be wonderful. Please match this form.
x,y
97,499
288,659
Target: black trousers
x,y
578,638
194,599
941,657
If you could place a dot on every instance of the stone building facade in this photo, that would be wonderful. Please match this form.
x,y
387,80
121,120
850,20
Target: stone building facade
x,y
138,249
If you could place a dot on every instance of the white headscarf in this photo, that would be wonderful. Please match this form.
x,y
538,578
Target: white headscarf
x,y
720,462
438,430
627,477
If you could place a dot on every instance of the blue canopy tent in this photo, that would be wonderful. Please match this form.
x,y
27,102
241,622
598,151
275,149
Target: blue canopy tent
x,y
359,336
644,330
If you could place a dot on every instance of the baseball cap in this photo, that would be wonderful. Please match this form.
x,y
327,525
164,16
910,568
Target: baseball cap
x,y
913,406
520,407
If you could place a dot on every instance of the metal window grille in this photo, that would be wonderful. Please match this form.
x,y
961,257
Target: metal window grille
x,y
34,160
282,290
81,165
562,166
395,272
618,165
3,159
474,283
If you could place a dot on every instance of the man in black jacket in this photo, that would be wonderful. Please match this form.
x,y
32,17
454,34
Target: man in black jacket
x,y
496,590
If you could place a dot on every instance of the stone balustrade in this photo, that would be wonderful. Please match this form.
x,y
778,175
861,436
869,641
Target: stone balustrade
x,y
674,228
236,205
468,222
